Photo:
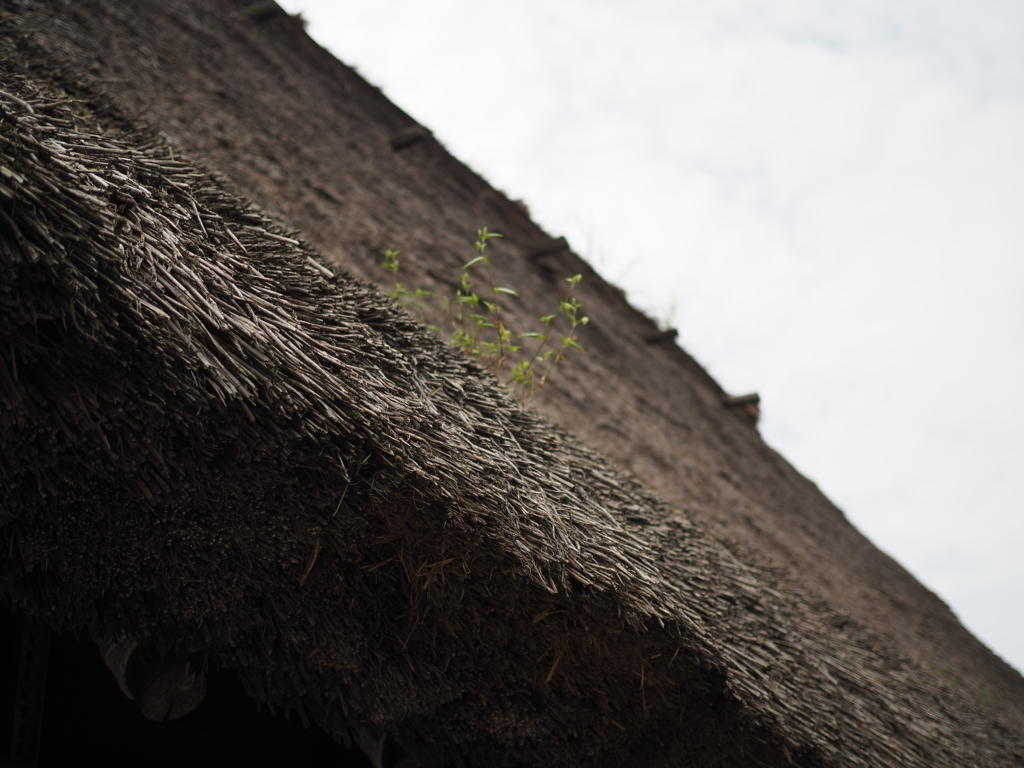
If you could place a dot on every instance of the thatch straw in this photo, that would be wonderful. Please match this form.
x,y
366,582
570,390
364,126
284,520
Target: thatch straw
x,y
209,439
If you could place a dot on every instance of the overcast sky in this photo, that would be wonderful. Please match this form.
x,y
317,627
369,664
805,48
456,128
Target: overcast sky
x,y
826,198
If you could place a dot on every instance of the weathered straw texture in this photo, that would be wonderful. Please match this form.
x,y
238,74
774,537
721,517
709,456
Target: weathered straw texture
x,y
209,439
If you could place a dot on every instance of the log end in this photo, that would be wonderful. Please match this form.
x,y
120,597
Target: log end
x,y
173,694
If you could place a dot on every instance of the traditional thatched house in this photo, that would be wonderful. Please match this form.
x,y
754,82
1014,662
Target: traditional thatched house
x,y
223,451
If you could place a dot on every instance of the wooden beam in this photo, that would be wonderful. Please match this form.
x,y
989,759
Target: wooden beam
x,y
30,691
265,10
409,136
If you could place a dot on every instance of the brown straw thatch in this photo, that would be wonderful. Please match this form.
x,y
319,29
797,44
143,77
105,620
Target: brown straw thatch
x,y
211,440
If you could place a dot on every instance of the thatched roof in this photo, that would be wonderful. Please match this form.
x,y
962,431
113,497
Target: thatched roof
x,y
211,438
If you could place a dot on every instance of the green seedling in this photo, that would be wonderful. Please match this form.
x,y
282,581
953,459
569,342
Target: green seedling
x,y
480,331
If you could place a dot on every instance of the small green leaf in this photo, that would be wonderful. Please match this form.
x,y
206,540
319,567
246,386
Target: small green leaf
x,y
477,260
507,291
531,335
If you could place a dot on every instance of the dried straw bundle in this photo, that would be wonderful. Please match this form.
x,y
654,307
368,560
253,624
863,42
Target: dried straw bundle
x,y
210,440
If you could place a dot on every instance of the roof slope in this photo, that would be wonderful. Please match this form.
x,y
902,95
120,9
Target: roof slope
x,y
211,438
309,140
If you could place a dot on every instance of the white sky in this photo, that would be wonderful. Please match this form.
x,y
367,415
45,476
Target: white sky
x,y
826,198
